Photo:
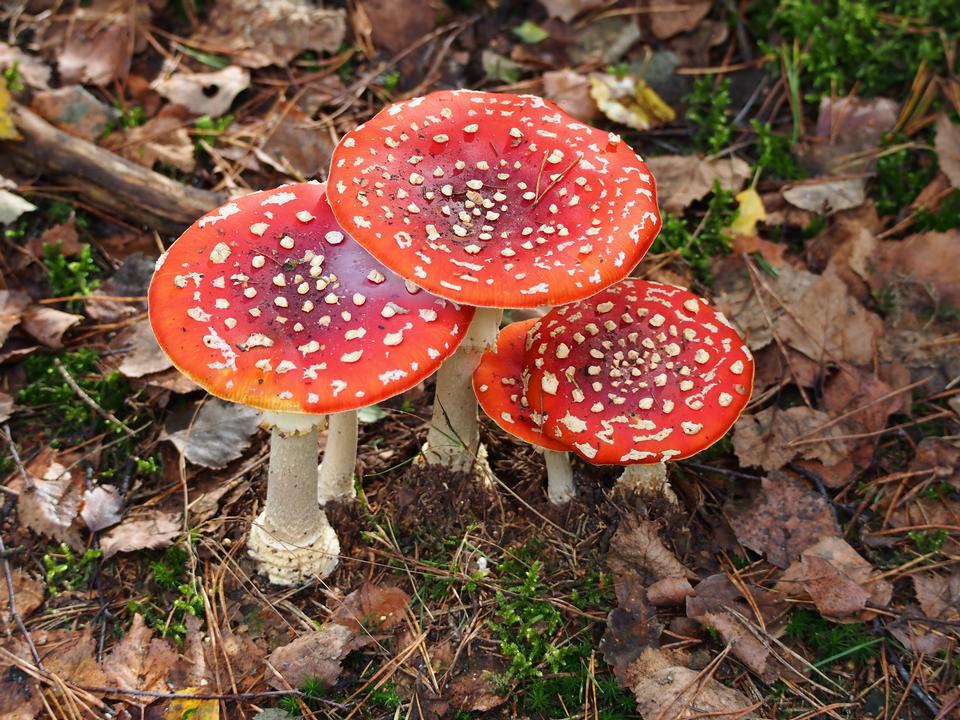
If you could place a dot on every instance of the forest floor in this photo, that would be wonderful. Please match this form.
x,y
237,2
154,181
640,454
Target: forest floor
x,y
808,162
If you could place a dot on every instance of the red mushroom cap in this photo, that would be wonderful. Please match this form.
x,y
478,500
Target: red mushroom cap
x,y
494,200
642,372
499,388
268,302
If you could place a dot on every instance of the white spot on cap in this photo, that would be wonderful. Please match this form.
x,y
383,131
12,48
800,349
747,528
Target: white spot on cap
x,y
334,237
351,357
259,228
304,216
220,253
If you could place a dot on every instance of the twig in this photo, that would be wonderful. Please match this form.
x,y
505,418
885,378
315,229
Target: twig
x,y
89,401
201,696
909,678
7,574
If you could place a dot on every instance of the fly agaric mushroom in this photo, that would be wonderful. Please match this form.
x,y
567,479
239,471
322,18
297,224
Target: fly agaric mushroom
x,y
637,375
497,201
499,389
268,302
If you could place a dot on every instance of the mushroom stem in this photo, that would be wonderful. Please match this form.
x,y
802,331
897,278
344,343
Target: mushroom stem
x,y
291,539
649,480
560,487
339,458
454,437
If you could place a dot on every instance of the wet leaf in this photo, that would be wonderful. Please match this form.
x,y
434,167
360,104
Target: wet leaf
x,y
631,627
783,520
219,433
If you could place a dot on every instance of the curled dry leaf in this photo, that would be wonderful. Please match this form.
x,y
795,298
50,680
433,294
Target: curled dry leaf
x,y
210,93
141,352
826,196
773,437
140,661
48,325
12,305
669,591
636,546
147,530
50,500
667,690
216,435
102,507
262,33
838,580
782,520
684,179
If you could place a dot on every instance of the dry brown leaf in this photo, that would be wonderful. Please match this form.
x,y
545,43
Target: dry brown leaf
x,y
19,698
70,655
571,91
131,279
30,69
142,354
669,591
146,530
744,645
12,306
396,26
214,436
923,265
28,594
941,457
773,437
938,595
827,324
684,179
76,111
48,325
208,93
99,41
717,593
261,33
846,127
838,580
296,147
947,144
667,18
666,690
64,236
164,139
314,655
858,395
371,608
783,520
51,498
825,196
102,507
636,546
567,10
140,662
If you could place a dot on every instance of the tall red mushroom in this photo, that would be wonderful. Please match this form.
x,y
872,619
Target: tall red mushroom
x,y
496,201
268,302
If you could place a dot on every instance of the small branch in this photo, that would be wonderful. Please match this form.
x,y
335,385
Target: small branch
x,y
89,401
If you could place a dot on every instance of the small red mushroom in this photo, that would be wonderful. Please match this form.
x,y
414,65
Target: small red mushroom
x,y
268,302
499,389
637,375
497,201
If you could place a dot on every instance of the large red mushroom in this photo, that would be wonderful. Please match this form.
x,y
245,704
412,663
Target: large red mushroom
x,y
497,201
267,301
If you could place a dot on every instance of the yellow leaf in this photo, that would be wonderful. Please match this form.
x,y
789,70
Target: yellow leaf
x,y
629,101
749,212
192,708
7,129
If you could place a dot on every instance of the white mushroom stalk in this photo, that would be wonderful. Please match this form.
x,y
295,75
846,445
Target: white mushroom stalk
x,y
454,436
336,472
291,539
560,487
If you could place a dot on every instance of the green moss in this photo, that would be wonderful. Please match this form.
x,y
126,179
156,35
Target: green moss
x,y
832,642
901,175
774,158
707,108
